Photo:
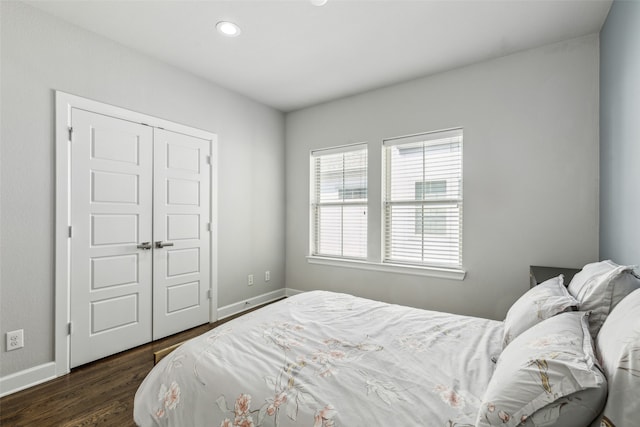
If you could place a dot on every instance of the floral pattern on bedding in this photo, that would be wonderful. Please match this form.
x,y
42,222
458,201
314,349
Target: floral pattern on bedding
x,y
322,359
168,397
287,387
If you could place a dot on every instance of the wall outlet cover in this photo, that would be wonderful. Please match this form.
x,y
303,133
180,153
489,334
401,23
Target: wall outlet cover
x,y
15,339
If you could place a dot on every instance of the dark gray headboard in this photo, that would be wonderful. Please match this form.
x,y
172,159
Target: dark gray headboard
x,y
538,274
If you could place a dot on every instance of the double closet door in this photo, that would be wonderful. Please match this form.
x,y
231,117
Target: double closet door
x,y
140,241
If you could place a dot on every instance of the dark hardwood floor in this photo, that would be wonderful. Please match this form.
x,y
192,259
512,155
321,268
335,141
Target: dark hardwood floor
x,y
96,394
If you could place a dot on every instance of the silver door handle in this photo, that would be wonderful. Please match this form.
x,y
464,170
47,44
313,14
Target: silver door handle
x,y
161,244
144,245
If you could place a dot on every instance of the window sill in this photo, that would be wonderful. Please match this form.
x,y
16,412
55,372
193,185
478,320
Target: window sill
x,y
442,273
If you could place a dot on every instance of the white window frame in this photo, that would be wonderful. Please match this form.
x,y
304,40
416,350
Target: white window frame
x,y
375,254
315,204
427,138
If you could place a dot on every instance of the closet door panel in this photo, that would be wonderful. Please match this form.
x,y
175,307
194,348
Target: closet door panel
x,y
111,214
182,240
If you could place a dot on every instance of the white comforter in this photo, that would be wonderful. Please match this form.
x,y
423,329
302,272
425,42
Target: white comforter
x,y
322,359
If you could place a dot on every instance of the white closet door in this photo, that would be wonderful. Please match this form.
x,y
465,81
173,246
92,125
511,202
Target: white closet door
x,y
181,237
111,215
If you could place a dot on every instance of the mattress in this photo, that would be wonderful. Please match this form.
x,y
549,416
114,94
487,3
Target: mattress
x,y
325,359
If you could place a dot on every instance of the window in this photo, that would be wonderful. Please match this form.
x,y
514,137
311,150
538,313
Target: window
x,y
423,199
339,202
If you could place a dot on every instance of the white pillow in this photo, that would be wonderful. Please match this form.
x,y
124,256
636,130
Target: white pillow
x,y
537,304
599,287
543,372
618,350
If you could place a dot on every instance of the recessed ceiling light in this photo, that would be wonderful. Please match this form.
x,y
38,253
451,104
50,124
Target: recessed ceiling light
x,y
228,29
318,2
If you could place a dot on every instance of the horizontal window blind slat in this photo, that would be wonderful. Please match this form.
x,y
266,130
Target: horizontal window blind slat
x,y
452,134
360,146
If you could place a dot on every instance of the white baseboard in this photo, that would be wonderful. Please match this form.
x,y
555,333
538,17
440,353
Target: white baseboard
x,y
291,292
239,307
27,378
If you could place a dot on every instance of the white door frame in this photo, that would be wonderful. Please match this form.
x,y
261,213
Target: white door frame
x,y
64,103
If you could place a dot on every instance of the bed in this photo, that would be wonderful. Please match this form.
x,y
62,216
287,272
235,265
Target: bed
x,y
323,359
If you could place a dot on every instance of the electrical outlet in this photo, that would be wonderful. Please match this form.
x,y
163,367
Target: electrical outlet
x,y
267,276
250,280
15,339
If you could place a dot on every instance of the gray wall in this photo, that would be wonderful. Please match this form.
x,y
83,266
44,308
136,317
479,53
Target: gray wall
x,y
40,54
620,134
530,173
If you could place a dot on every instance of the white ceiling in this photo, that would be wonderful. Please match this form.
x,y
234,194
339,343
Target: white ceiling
x,y
292,54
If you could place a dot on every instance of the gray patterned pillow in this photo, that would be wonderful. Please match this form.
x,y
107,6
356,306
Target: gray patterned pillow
x,y
539,303
542,373
599,287
618,349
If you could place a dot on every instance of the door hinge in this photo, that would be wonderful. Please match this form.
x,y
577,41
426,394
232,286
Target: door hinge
x,y
208,226
70,133
210,294
70,231
208,160
69,328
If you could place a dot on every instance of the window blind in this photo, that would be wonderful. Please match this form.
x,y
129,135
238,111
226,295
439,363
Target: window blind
x,y
423,199
339,202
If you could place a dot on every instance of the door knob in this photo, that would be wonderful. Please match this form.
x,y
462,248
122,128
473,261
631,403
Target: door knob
x,y
160,244
144,245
